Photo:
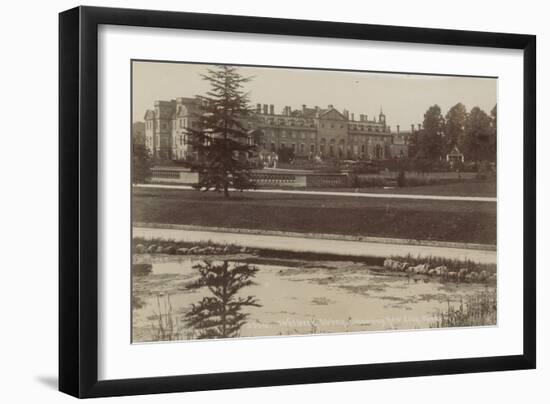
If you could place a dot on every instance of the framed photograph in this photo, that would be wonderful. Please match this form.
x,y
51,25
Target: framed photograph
x,y
252,201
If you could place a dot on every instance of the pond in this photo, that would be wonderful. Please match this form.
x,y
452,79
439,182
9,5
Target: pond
x,y
182,298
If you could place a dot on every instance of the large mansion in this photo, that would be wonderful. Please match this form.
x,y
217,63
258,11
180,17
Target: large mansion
x,y
309,132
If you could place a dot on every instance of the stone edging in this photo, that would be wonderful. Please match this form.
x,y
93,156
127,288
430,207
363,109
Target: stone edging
x,y
321,236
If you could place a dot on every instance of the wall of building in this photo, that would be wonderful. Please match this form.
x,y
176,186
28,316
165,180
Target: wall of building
x,y
309,132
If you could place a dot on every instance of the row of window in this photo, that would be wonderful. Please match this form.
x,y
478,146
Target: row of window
x,y
181,123
294,135
378,149
332,125
367,128
312,135
283,122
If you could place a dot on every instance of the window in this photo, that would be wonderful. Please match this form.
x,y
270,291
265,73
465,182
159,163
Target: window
x,y
312,148
378,151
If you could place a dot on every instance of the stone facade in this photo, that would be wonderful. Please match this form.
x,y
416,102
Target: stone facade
x,y
166,127
309,132
399,147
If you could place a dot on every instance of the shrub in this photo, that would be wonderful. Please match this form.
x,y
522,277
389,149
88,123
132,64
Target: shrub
x,y
401,180
371,182
478,310
452,264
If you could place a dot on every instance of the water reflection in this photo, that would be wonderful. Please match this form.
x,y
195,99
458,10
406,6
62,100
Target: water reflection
x,y
220,315
180,300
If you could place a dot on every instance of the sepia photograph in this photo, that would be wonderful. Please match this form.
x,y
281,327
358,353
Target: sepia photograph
x,y
276,201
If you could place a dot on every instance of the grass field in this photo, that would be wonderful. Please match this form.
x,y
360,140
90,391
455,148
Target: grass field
x,y
473,222
464,188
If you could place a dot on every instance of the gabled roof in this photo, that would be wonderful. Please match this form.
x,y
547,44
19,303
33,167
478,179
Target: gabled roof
x,y
190,105
149,114
309,112
332,113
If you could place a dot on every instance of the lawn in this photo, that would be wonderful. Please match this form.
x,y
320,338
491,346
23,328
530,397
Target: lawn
x,y
473,222
463,188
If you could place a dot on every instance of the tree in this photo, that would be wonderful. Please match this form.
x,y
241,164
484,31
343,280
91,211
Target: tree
x,y
494,131
221,140
455,122
494,117
429,139
138,132
479,139
142,163
220,315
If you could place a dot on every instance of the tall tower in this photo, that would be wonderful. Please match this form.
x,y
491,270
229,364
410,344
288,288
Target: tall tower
x,y
382,117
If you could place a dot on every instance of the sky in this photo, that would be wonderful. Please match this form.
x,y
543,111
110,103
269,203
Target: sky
x,y
404,98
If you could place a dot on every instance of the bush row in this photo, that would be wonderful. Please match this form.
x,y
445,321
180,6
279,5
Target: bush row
x,y
461,274
141,246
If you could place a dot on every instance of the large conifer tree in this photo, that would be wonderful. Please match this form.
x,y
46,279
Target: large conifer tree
x,y
220,139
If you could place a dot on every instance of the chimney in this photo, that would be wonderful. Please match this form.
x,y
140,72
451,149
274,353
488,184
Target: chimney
x,y
361,117
258,108
352,116
397,126
419,126
271,109
412,127
330,106
265,109
346,114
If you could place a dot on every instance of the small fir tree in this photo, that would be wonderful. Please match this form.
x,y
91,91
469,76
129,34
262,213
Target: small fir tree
x,y
220,315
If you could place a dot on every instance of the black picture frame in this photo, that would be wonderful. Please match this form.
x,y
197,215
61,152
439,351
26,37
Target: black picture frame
x,y
78,201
